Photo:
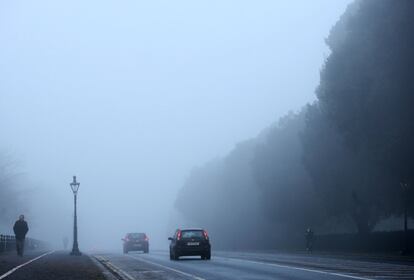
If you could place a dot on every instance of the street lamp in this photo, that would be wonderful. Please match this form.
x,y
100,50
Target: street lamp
x,y
75,249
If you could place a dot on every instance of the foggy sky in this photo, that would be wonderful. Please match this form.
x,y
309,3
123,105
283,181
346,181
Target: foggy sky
x,y
131,95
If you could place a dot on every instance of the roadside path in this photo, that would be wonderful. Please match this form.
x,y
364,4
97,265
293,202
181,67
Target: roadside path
x,y
56,266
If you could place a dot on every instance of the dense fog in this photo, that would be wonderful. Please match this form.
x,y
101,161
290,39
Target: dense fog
x,y
229,115
343,164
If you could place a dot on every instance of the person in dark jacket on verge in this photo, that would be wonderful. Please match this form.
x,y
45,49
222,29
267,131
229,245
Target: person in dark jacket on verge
x,y
20,230
309,240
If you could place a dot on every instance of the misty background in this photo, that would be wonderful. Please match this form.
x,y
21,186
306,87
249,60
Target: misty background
x,y
132,96
341,165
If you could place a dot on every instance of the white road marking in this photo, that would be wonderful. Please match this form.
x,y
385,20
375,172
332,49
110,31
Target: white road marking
x,y
151,271
168,268
24,264
121,273
298,268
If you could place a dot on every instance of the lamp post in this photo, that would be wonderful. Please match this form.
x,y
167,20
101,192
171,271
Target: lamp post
x,y
75,249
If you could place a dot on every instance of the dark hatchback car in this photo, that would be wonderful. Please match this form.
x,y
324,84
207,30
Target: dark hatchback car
x,y
135,242
190,242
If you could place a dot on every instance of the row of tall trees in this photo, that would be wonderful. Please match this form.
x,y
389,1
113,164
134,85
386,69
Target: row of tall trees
x,y
339,163
364,110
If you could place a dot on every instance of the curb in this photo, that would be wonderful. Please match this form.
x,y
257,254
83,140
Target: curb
x,y
116,272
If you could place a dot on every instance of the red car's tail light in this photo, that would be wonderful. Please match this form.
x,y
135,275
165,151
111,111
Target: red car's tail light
x,y
179,235
205,234
146,238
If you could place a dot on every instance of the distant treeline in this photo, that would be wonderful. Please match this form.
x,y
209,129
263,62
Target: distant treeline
x,y
340,163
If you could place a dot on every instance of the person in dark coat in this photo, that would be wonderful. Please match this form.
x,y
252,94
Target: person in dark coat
x,y
20,230
65,242
309,239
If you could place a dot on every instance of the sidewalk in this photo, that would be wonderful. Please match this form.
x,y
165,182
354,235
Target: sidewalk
x,y
372,257
369,266
56,266
8,260
362,256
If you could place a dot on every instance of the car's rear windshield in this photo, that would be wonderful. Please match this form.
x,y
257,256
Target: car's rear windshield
x,y
192,234
137,235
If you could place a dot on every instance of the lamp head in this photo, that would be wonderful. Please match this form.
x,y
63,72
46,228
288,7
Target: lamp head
x,y
74,185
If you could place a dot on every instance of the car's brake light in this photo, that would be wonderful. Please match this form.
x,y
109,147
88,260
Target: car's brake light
x,y
205,234
146,238
179,235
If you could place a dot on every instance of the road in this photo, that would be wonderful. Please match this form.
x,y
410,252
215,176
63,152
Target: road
x,y
252,266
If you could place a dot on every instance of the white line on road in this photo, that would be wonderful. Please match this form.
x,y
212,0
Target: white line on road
x,y
168,268
24,264
298,268
114,269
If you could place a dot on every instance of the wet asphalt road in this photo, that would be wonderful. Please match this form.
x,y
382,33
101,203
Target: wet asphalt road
x,y
260,266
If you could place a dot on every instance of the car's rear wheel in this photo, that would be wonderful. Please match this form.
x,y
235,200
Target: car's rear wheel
x,y
176,256
207,256
125,251
146,250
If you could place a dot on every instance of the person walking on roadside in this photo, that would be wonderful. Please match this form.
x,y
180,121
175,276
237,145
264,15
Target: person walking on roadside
x,y
65,242
20,230
309,240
